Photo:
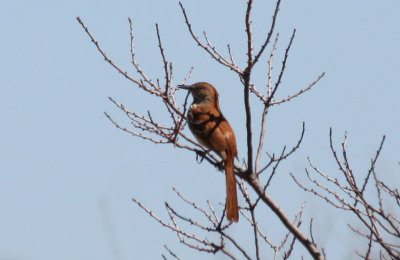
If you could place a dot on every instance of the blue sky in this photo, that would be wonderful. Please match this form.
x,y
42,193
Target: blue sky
x,y
67,175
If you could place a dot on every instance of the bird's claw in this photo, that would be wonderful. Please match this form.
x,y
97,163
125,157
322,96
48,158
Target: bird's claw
x,y
220,165
201,154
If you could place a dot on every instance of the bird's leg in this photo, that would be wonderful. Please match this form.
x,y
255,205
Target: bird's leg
x,y
220,165
201,154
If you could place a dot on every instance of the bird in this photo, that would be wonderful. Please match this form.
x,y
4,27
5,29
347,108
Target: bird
x,y
212,130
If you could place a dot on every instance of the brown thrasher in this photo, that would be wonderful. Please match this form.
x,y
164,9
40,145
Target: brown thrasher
x,y
213,131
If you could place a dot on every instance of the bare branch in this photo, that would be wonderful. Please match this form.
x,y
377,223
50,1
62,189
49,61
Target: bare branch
x,y
265,112
373,162
167,75
300,92
172,253
124,73
350,197
283,155
249,36
205,213
261,141
209,48
271,31
311,248
278,82
136,65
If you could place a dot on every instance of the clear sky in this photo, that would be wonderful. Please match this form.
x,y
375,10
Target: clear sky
x,y
67,175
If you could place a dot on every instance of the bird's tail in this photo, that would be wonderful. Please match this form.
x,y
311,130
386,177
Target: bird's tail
x,y
232,210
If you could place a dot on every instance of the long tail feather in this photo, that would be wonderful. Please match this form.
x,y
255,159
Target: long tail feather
x,y
232,209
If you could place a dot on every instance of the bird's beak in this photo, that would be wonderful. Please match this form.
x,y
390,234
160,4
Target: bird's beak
x,y
184,87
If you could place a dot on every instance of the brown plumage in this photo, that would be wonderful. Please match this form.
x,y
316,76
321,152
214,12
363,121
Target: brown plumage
x,y
213,131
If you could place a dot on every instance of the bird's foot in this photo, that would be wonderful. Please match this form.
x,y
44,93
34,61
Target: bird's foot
x,y
200,155
220,165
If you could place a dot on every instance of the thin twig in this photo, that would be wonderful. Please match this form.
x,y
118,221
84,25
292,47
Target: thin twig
x,y
271,31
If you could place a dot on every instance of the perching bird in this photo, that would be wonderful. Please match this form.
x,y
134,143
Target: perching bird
x,y
213,131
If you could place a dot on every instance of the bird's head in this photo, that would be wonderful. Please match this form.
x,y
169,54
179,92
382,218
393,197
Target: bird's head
x,y
202,92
